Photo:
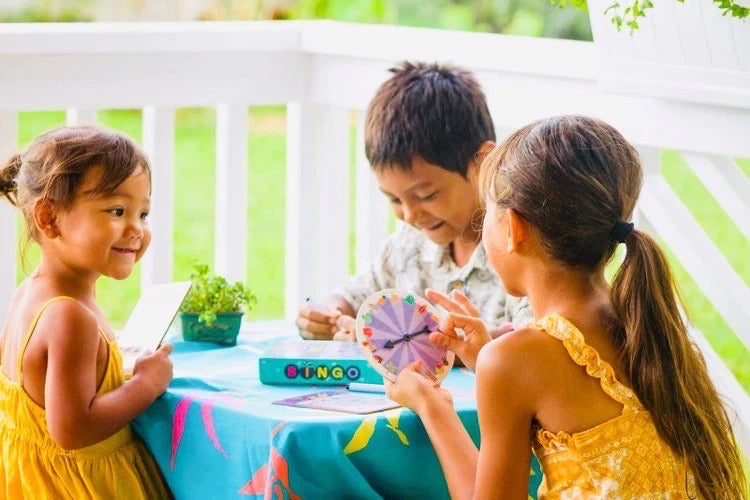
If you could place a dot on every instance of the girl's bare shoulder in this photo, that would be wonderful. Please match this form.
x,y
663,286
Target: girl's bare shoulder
x,y
529,355
60,318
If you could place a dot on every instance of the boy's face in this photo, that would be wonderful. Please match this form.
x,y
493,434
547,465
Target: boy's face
x,y
436,201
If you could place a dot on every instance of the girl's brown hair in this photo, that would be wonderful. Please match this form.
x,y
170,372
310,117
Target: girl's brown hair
x,y
54,165
573,178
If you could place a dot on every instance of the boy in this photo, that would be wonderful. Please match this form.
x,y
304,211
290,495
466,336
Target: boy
x,y
426,132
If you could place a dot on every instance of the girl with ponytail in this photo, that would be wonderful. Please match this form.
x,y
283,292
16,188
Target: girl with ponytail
x,y
605,383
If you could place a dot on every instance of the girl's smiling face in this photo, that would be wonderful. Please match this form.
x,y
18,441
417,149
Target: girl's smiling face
x,y
438,202
106,234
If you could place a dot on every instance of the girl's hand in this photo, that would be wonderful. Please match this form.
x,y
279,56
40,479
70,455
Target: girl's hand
x,y
462,315
155,369
415,391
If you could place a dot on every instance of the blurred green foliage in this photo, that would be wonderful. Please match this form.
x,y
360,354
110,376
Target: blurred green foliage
x,y
49,11
540,18
518,17
36,14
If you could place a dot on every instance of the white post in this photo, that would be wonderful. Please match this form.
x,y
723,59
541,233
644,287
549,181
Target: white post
x,y
231,192
158,142
8,241
332,160
371,205
302,235
76,116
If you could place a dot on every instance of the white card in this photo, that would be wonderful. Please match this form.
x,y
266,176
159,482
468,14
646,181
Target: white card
x,y
150,320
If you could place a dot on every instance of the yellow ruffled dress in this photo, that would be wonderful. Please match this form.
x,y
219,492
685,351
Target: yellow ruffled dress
x,y
32,465
623,457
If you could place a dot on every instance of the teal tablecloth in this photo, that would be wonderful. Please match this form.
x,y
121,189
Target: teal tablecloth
x,y
215,433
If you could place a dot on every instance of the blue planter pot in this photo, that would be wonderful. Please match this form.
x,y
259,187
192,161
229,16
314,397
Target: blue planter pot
x,y
224,329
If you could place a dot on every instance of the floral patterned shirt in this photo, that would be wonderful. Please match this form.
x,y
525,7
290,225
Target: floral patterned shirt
x,y
410,262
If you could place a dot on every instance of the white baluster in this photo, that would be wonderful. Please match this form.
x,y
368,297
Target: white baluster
x,y
8,214
695,250
332,160
231,192
727,184
736,400
77,116
302,232
158,142
371,205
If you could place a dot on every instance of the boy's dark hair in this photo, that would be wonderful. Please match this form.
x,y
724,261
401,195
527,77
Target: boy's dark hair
x,y
434,112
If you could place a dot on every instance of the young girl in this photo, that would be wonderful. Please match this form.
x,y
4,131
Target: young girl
x,y
64,411
605,383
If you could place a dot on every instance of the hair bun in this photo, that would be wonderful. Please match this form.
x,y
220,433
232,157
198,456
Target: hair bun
x,y
8,174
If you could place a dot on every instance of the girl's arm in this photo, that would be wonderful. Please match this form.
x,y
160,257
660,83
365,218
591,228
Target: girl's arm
x,y
505,409
454,448
505,395
76,416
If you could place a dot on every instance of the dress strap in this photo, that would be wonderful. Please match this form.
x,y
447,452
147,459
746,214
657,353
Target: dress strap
x,y
585,355
30,331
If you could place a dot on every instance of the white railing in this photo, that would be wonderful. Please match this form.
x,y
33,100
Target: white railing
x,y
324,70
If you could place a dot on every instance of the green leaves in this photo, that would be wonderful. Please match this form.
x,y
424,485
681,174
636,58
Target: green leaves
x,y
629,13
211,295
579,4
731,7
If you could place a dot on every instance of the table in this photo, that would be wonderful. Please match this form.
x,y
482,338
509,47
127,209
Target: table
x,y
215,433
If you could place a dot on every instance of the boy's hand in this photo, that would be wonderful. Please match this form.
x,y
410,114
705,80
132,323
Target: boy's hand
x,y
345,331
314,324
155,369
504,328
464,316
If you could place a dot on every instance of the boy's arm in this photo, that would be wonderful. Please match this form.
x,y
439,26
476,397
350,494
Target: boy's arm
x,y
344,301
379,275
337,302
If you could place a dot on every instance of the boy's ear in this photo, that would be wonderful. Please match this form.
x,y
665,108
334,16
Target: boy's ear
x,y
45,218
518,230
483,151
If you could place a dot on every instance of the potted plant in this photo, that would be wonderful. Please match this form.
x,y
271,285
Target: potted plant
x,y
213,309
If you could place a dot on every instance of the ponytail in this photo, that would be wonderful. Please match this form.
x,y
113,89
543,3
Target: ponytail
x,y
8,174
668,373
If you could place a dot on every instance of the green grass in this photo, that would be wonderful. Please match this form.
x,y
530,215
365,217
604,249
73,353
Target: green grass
x,y
195,152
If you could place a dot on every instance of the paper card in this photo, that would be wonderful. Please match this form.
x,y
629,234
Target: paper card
x,y
150,320
343,401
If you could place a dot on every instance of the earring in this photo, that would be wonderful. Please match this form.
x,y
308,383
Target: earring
x,y
51,231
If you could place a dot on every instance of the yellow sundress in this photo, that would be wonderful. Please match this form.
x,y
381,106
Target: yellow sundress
x,y
623,457
32,465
